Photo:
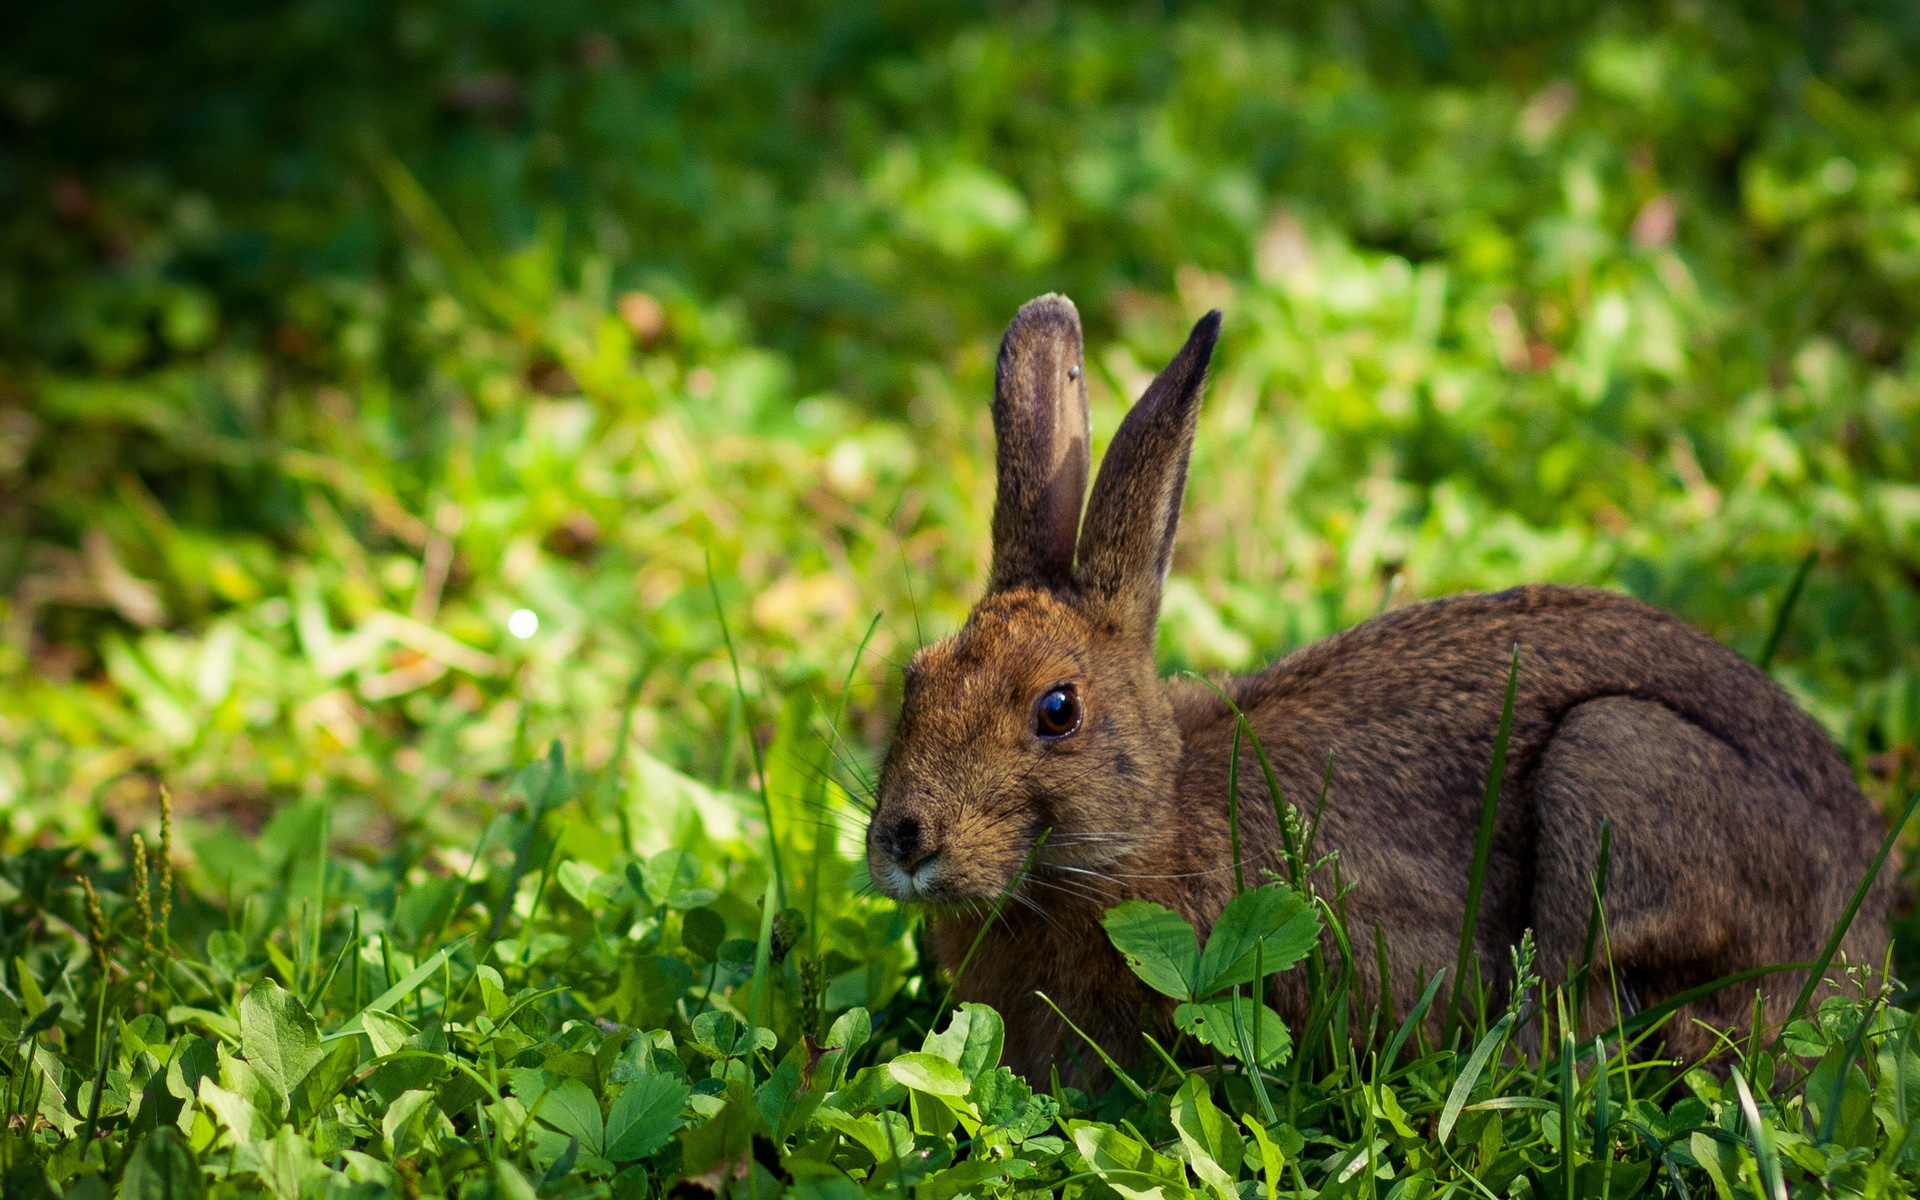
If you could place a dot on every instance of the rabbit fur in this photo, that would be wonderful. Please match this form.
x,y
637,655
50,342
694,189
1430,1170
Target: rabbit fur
x,y
1738,833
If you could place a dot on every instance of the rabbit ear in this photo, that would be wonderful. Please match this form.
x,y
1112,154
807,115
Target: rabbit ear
x,y
1127,544
1040,426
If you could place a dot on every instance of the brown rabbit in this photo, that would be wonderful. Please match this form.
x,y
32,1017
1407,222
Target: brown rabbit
x,y
1738,833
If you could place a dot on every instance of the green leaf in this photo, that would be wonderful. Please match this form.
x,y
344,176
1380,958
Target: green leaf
x,y
1126,1165
1158,944
386,1032
1276,919
723,1035
884,1136
324,1082
193,1058
510,1184
644,1116
1273,1163
701,932
671,873
929,1073
284,1163
234,1111
1214,1147
571,1108
1213,1024
162,1168
971,1040
650,984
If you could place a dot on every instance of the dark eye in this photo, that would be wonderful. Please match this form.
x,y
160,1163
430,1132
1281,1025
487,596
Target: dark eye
x,y
1057,714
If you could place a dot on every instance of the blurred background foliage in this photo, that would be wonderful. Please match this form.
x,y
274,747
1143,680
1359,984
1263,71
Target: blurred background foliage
x,y
334,332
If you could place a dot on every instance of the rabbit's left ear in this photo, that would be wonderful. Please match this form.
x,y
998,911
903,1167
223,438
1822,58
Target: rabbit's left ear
x,y
1041,433
1126,542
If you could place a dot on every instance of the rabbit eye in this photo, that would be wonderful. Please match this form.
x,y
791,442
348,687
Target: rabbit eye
x,y
1057,714
1073,372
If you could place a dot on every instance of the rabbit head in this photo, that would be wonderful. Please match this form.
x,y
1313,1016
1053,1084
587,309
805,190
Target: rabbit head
x,y
1044,714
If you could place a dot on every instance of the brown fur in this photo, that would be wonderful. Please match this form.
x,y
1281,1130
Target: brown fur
x,y
1738,832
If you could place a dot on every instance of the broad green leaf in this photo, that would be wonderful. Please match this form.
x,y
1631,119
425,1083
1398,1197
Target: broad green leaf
x,y
723,1035
644,1116
1000,1096
1722,1163
386,1032
571,1108
726,1135
324,1082
162,1168
234,1111
669,873
851,1030
650,984
284,1163
1126,1165
193,1058
970,1175
1214,1147
510,1184
885,1136
929,1073
701,932
971,1040
1273,1163
493,992
1213,1024
1158,944
413,1123
1274,918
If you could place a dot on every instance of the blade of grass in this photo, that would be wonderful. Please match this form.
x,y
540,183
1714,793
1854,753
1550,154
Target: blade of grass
x,y
1266,767
1233,810
1413,1019
1483,843
826,768
1598,884
617,765
326,981
385,1001
556,761
1462,1089
1568,1082
1762,1135
753,743
100,1082
1785,612
1247,1056
1853,906
999,904
1125,1079
763,952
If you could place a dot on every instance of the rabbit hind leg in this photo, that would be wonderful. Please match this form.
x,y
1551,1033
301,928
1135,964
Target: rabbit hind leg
x,y
1701,881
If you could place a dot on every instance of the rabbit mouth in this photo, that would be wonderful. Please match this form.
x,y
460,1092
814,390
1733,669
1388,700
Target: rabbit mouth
x,y
919,882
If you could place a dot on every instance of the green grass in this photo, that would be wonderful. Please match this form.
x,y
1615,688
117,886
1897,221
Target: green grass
x,y
333,335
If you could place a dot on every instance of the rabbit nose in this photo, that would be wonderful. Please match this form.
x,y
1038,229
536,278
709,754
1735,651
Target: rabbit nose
x,y
905,845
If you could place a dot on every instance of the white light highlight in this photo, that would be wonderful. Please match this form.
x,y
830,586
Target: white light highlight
x,y
523,623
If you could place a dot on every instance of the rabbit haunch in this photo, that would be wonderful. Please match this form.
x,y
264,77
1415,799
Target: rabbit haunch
x,y
1738,833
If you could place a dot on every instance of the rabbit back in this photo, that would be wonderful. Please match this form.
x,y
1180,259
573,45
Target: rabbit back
x,y
1738,833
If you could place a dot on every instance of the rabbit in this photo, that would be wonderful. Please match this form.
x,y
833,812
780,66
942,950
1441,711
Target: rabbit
x,y
1738,833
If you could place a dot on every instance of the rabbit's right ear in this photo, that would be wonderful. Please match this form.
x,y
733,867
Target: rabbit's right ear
x,y
1041,431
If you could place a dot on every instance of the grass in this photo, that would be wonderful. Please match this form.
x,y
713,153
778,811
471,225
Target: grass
x,y
332,338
